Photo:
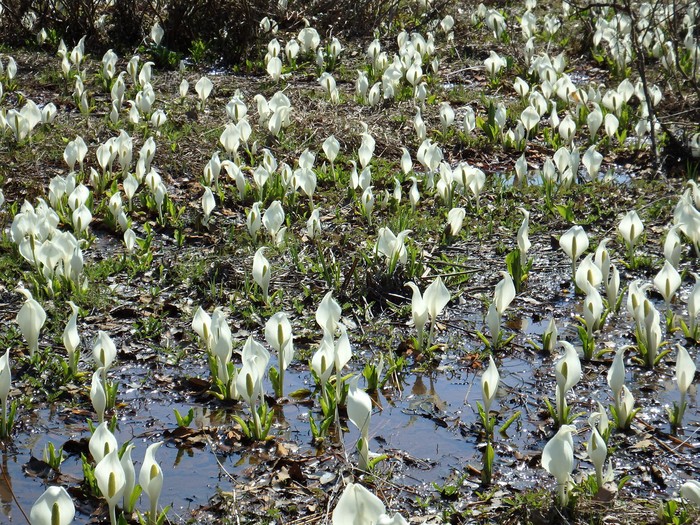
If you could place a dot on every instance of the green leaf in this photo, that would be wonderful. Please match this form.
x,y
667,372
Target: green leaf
x,y
314,428
186,420
375,460
275,380
301,393
566,212
508,423
483,339
550,408
487,470
244,426
135,494
163,515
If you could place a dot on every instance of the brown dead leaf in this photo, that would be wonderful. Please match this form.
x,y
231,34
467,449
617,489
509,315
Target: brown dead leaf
x,y
281,477
163,379
186,437
606,493
642,444
37,468
295,472
198,385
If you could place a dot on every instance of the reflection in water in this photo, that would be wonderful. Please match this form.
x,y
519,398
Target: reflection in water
x,y
181,451
424,398
418,388
438,403
427,427
6,488
280,423
376,401
206,417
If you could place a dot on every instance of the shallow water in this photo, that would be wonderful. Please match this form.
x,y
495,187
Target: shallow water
x,y
428,430
427,426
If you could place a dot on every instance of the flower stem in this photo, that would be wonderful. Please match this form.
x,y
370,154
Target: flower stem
x,y
112,514
3,428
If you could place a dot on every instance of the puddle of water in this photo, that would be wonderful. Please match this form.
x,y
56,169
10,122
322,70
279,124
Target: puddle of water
x,y
429,431
428,427
615,174
618,175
